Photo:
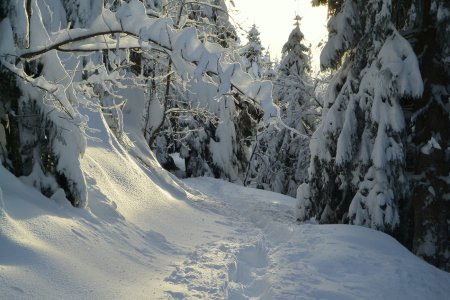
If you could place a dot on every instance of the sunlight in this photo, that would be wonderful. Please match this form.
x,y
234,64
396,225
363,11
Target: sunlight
x,y
275,22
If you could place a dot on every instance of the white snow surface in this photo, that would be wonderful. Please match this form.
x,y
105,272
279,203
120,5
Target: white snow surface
x,y
146,235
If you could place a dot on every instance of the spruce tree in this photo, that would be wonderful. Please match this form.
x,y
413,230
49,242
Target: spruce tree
x,y
253,52
357,170
380,155
282,153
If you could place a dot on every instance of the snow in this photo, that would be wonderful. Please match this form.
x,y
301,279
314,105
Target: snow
x,y
346,139
363,121
38,33
341,29
144,234
19,22
183,46
398,57
442,13
6,38
429,146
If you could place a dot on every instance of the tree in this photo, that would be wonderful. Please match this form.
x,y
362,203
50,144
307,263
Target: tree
x,y
268,67
282,150
370,158
190,122
252,53
211,18
426,214
211,135
47,97
357,152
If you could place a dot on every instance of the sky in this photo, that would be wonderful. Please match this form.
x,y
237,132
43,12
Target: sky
x,y
275,21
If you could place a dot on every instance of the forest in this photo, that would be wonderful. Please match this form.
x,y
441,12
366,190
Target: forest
x,y
171,88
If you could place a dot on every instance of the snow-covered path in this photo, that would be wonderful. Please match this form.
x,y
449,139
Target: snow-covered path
x,y
269,256
146,235
234,266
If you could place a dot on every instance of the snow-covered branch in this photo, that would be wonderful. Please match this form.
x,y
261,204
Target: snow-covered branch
x,y
188,53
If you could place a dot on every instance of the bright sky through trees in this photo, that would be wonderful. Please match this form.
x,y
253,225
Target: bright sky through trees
x,y
275,20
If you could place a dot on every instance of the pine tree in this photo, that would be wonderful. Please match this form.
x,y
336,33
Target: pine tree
x,y
296,56
357,171
253,52
268,67
380,156
210,17
282,155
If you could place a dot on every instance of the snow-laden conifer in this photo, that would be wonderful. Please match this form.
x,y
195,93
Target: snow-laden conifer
x,y
252,53
282,154
357,170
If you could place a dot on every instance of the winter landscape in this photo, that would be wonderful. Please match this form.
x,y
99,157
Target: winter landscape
x,y
158,150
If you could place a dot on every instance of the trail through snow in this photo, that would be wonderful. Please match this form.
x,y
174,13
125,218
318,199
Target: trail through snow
x,y
146,235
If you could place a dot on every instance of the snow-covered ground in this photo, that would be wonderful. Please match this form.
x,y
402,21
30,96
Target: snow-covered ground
x,y
145,235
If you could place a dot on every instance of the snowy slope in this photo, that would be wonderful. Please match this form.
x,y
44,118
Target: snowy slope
x,y
145,235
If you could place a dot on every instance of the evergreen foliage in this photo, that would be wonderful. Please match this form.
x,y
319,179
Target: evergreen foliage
x,y
378,159
380,156
281,155
253,53
426,213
